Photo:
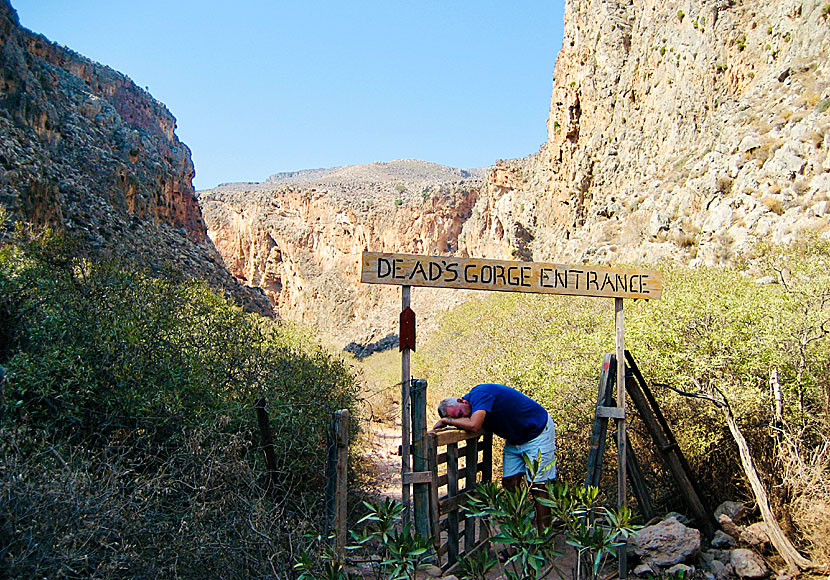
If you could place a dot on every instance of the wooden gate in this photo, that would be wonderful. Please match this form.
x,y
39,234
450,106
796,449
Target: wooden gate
x,y
455,533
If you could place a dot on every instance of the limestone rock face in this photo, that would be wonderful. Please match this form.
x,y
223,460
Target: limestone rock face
x,y
300,237
680,131
83,149
677,131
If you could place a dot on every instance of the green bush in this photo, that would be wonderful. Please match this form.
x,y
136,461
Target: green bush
x,y
131,442
712,328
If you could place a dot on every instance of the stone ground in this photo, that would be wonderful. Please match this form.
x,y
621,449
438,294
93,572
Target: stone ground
x,y
383,440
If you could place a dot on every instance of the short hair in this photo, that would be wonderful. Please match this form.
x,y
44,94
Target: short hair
x,y
445,405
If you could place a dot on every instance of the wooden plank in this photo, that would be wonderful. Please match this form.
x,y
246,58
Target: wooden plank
x,y
604,398
470,482
418,477
452,503
337,479
447,436
487,458
663,437
452,491
418,397
506,276
622,436
611,412
434,514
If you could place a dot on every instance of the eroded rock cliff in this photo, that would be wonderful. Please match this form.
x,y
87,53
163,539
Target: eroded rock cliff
x,y
678,130
681,130
300,236
84,150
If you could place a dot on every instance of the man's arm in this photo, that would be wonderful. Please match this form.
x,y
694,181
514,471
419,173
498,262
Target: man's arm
x,y
472,423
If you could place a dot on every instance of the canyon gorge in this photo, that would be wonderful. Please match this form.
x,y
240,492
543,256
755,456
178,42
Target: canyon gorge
x,y
678,131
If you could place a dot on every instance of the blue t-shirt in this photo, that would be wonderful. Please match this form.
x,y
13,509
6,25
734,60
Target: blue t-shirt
x,y
510,414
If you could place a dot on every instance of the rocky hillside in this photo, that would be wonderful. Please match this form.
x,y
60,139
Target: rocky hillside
x,y
678,130
84,150
299,237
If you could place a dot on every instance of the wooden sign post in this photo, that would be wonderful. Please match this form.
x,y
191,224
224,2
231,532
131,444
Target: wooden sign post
x,y
408,270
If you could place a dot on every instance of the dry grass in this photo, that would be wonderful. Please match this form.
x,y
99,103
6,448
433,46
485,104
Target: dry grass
x,y
808,479
197,511
774,204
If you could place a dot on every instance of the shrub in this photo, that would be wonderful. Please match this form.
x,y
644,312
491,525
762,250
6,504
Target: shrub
x,y
129,428
713,326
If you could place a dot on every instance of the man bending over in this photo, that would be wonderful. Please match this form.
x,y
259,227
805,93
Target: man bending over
x,y
524,424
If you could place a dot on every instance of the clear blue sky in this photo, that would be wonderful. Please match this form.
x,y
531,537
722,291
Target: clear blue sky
x,y
261,86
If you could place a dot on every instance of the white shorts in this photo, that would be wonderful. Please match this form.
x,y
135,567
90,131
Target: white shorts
x,y
545,443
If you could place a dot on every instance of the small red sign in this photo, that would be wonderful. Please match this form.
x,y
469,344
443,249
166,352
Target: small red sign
x,y
407,333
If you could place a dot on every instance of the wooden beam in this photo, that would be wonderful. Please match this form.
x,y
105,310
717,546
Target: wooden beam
x,y
622,436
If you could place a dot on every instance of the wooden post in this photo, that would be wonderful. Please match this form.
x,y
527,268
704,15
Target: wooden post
x,y
337,479
452,491
419,456
434,515
471,468
622,438
405,412
267,441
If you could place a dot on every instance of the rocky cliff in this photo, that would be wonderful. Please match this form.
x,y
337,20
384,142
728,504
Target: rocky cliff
x,y
678,130
84,150
299,237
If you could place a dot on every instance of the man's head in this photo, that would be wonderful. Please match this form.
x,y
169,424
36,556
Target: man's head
x,y
454,408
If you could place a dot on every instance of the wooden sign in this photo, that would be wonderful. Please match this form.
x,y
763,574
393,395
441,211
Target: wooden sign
x,y
506,276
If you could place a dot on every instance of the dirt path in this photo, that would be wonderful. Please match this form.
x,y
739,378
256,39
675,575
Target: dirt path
x,y
384,439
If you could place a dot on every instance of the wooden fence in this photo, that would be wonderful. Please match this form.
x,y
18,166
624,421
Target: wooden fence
x,y
458,460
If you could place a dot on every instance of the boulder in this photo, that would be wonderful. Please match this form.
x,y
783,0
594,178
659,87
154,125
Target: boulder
x,y
734,509
755,535
748,564
728,526
684,569
643,570
666,543
723,540
720,570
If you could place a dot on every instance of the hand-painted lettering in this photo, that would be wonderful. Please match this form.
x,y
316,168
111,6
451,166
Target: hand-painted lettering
x,y
526,272
561,278
486,274
452,268
512,276
576,274
591,279
606,281
498,274
470,277
434,271
395,269
622,283
384,268
418,269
